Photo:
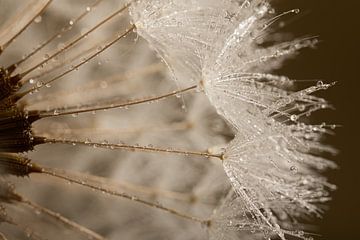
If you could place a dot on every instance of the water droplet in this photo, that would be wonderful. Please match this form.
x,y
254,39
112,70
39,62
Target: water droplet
x,y
301,107
293,169
39,84
38,19
246,4
294,118
320,83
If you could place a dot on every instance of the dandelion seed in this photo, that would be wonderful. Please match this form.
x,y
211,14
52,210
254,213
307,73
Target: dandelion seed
x,y
269,174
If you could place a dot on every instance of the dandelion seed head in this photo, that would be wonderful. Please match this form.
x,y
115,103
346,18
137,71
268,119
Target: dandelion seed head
x,y
272,172
249,128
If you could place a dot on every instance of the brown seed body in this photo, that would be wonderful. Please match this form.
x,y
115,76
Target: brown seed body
x,y
13,164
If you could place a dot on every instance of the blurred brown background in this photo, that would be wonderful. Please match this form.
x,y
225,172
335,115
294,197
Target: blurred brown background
x,y
337,24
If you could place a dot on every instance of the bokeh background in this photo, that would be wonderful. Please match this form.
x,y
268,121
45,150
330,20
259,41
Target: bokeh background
x,y
337,24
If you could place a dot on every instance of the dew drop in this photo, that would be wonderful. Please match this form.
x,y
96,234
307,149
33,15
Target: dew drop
x,y
293,169
301,107
320,83
294,118
39,84
38,19
246,4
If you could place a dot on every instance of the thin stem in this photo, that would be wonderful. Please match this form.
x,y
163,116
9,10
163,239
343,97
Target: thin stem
x,y
5,45
55,112
173,127
133,148
183,197
26,230
60,64
72,43
132,187
89,233
57,34
2,236
52,172
84,61
275,19
96,84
